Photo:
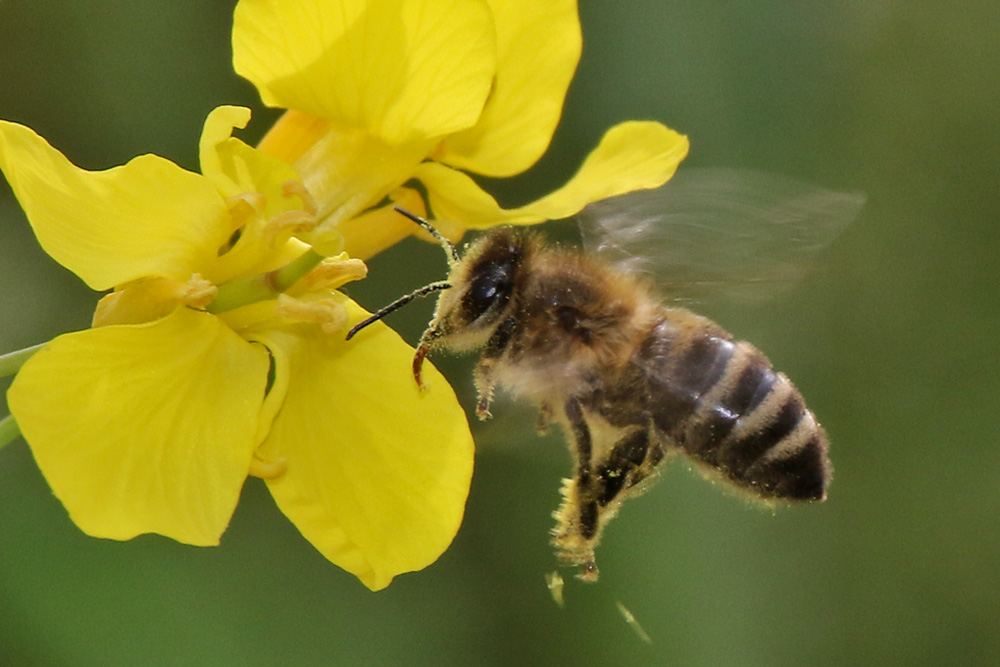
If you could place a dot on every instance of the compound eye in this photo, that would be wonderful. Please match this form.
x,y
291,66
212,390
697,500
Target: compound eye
x,y
490,288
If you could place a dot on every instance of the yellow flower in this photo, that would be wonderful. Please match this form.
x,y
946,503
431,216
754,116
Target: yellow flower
x,y
384,92
151,421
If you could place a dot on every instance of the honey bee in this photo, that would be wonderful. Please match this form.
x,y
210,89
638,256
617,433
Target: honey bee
x,y
631,380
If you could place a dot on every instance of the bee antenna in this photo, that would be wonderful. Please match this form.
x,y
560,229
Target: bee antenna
x,y
448,246
397,304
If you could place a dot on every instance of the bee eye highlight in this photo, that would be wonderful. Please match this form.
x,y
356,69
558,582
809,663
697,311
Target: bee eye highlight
x,y
490,289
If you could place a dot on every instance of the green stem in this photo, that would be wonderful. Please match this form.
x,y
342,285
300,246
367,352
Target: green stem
x,y
9,430
263,286
11,362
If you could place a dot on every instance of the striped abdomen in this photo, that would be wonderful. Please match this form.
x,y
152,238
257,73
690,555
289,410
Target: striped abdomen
x,y
721,402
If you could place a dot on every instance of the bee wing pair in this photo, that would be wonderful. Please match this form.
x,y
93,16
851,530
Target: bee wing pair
x,y
718,232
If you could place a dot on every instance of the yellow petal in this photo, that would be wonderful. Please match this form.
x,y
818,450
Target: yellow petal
x,y
235,167
292,135
632,156
377,471
402,70
218,128
538,48
145,429
146,218
238,169
348,171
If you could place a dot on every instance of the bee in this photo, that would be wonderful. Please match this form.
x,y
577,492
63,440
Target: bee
x,y
631,380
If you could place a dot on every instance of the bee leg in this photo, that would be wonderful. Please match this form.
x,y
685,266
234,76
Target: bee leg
x,y
485,383
576,532
583,446
625,466
545,414
485,386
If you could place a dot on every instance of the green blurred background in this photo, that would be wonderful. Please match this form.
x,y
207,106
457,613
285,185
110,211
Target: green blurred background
x,y
895,346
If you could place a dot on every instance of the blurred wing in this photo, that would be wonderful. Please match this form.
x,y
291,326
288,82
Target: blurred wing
x,y
717,231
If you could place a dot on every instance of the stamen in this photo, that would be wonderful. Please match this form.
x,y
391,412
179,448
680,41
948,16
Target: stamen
x,y
298,189
245,206
329,314
197,292
286,223
332,273
149,299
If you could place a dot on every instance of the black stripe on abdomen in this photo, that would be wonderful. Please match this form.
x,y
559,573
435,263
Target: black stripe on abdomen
x,y
753,426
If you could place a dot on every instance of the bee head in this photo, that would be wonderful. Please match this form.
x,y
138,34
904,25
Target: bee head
x,y
477,294
483,283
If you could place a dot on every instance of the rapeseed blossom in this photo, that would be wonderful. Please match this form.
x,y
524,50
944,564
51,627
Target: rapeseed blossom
x,y
150,421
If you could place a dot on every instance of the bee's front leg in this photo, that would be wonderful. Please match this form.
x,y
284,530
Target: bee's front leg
x,y
485,382
485,387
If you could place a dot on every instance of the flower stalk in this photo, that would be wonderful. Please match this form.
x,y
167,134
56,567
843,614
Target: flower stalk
x,y
11,362
9,430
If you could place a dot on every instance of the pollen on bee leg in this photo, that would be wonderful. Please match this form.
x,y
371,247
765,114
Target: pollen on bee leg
x,y
329,314
268,469
572,547
483,406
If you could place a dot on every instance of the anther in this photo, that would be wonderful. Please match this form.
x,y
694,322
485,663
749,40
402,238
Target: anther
x,y
333,273
197,292
329,314
297,189
287,223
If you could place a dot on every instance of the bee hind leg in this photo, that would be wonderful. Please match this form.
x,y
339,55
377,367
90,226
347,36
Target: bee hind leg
x,y
592,498
577,520
629,462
